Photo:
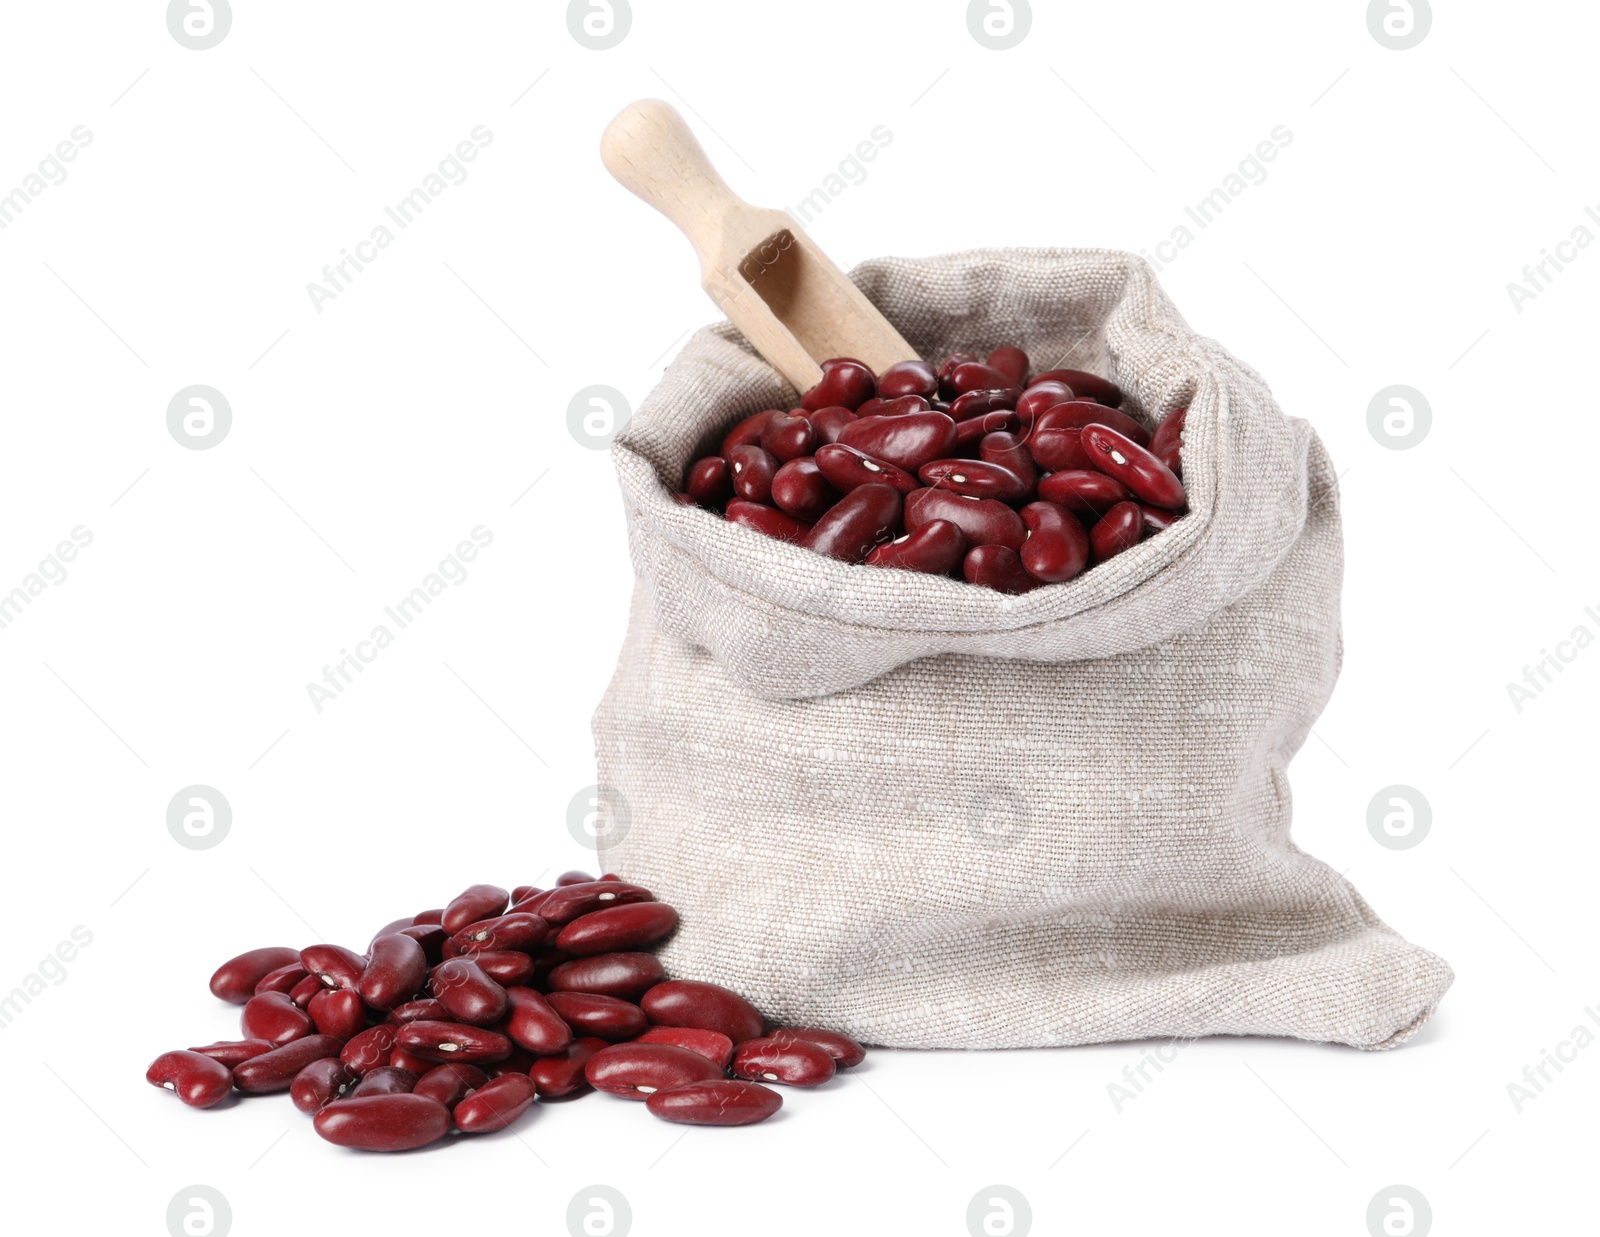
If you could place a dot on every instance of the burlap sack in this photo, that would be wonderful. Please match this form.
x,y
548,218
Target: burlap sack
x,y
930,815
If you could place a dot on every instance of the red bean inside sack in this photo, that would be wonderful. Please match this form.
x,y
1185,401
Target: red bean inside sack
x,y
984,430
541,997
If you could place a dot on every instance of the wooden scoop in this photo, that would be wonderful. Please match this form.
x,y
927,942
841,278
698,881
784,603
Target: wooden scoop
x,y
794,305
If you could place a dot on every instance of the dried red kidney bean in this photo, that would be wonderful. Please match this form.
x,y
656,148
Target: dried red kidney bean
x,y
450,1083
1167,442
495,1105
387,1080
505,966
845,382
1058,450
388,929
712,1045
844,1050
908,378
1057,547
864,518
236,980
1086,386
561,1074
997,567
338,1012
745,434
394,972
908,442
415,1011
533,1024
898,407
982,521
372,1048
615,974
1009,451
400,1122
275,1070
1083,490
453,1041
1147,477
768,521
410,1062
319,1083
560,906
272,1016
710,483
1040,396
1159,519
515,930
800,489
589,1013
636,1071
423,919
281,980
711,1007
976,376
847,468
1117,530
472,904
830,422
716,1101
232,1052
306,990
988,399
1075,414
522,893
753,470
793,1062
618,928
460,985
973,479
430,936
936,548
1010,361
334,965
948,369
198,1080
788,437
974,429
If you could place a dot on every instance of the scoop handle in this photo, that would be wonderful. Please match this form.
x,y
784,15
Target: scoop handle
x,y
651,151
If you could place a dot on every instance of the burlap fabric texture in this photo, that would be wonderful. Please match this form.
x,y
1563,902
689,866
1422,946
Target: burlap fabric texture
x,y
931,815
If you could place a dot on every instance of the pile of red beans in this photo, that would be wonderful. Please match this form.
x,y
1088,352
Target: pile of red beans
x,y
460,1018
977,469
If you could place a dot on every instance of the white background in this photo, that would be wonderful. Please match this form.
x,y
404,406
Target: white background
x,y
369,438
